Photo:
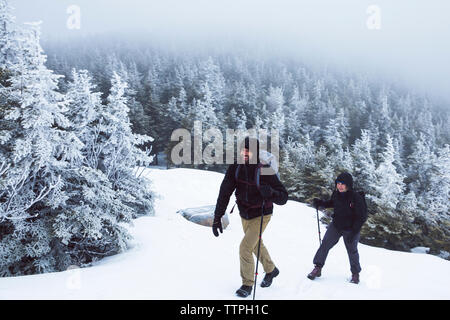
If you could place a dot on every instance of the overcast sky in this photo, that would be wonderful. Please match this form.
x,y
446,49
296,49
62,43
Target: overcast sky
x,y
407,40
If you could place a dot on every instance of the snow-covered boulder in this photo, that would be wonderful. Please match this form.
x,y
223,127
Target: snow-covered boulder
x,y
203,215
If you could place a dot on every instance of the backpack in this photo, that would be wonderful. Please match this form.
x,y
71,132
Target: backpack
x,y
363,196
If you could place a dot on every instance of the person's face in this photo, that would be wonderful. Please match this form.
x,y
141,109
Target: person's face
x,y
246,154
341,187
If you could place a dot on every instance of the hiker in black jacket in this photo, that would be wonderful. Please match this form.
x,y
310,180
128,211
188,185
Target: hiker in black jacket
x,y
243,179
348,217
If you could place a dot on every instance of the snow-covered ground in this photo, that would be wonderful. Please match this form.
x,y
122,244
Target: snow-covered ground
x,y
172,258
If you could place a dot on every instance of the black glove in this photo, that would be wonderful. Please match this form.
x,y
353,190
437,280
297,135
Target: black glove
x,y
217,225
265,191
317,203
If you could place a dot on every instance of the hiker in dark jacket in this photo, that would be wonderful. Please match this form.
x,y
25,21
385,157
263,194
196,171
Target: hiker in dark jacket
x,y
348,217
243,179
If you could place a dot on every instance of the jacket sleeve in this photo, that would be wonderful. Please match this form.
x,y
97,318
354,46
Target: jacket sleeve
x,y
279,192
226,190
329,203
360,214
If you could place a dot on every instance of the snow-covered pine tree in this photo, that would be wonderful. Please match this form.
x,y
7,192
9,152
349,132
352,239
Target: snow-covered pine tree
x,y
242,120
134,95
290,174
319,175
83,106
339,160
296,123
212,77
347,164
173,110
259,123
238,96
9,53
9,39
232,119
388,185
408,205
375,138
399,151
204,109
420,164
297,158
333,140
364,166
58,208
424,122
438,192
37,147
105,190
120,152
276,108
177,108
87,226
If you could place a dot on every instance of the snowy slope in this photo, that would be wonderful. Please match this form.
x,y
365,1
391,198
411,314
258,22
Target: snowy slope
x,y
172,258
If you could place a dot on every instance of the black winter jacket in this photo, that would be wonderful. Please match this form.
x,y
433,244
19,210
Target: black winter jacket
x,y
349,213
247,193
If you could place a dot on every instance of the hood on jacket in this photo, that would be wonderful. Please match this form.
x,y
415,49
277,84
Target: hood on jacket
x,y
345,178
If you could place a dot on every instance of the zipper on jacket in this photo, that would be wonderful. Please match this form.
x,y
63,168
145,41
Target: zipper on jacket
x,y
246,188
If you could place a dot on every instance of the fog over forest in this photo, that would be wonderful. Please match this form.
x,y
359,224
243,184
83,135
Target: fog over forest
x,y
408,46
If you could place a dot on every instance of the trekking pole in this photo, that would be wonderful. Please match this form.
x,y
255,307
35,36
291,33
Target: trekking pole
x,y
318,226
259,246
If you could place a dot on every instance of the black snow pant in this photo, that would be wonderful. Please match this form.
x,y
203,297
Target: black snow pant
x,y
332,237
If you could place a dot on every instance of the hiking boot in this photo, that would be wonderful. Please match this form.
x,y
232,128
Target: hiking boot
x,y
244,291
317,272
267,281
355,278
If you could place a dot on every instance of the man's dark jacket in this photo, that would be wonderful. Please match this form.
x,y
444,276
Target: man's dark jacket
x,y
247,194
349,213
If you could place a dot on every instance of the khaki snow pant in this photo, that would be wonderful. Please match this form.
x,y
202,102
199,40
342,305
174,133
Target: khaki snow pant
x,y
249,246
